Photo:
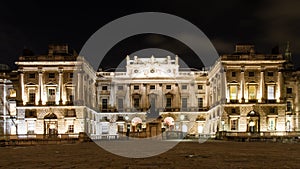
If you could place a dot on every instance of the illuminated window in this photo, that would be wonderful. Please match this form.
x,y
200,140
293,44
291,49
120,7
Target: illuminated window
x,y
104,129
252,92
30,127
12,93
271,92
233,93
271,123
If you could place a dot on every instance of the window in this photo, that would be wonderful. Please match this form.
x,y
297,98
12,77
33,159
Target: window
x,y
169,102
51,75
251,74
120,104
104,104
168,87
31,75
184,87
233,111
71,75
136,103
271,123
31,127
234,124
252,92
12,93
233,92
120,87
184,104
70,113
270,74
31,96
233,74
289,90
104,87
135,87
200,87
271,92
289,106
200,103
51,92
71,128
104,128
273,110
152,87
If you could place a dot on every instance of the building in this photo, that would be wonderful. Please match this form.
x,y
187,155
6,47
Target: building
x,y
242,93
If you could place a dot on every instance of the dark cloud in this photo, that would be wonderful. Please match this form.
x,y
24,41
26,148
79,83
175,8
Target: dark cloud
x,y
36,23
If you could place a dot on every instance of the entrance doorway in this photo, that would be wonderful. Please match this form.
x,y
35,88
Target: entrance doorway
x,y
51,125
253,122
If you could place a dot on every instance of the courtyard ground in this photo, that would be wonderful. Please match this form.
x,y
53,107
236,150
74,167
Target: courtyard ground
x,y
211,154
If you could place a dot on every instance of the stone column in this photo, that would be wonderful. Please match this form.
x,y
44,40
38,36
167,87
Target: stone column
x,y
261,86
242,85
79,87
60,85
278,90
297,118
22,88
40,90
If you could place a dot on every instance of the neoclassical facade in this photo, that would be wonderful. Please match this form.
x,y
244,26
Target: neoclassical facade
x,y
243,92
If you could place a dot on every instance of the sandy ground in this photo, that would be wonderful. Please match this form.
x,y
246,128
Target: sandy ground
x,y
211,154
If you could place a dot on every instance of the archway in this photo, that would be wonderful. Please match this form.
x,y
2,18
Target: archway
x,y
253,122
50,125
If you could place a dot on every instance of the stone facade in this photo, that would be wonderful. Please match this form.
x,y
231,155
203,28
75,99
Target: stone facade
x,y
243,92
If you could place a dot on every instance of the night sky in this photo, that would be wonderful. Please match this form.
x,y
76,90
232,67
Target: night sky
x,y
35,24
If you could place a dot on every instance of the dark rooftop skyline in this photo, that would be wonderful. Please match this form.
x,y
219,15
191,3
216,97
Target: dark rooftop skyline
x,y
34,24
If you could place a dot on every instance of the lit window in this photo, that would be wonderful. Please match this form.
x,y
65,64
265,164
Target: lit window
x,y
12,93
184,87
104,128
252,92
233,93
271,123
271,92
